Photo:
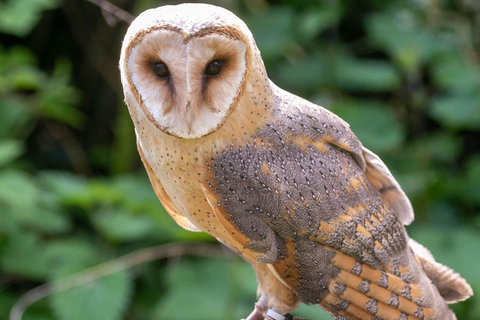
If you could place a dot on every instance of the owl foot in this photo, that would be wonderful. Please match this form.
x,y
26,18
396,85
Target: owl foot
x,y
260,308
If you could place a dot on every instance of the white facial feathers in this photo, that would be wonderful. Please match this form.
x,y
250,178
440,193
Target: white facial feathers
x,y
155,93
189,103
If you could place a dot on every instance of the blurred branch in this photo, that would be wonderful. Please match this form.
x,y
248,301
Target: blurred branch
x,y
113,266
94,45
112,13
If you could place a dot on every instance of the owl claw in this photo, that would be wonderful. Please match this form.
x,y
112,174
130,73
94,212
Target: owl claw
x,y
261,312
260,308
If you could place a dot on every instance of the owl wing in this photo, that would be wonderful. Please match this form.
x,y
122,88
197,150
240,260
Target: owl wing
x,y
378,174
304,197
164,198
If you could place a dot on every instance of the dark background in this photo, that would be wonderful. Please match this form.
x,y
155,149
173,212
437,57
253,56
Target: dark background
x,y
73,194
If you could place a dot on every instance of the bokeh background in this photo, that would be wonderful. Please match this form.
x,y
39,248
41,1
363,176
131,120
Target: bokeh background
x,y
73,193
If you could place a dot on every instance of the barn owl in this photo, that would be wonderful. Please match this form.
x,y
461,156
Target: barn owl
x,y
281,181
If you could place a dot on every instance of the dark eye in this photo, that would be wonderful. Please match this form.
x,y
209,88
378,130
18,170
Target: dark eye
x,y
160,69
214,68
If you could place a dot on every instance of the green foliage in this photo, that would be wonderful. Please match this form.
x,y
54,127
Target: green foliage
x,y
228,284
278,36
57,98
10,149
103,299
19,17
457,111
369,119
402,35
73,194
366,75
22,256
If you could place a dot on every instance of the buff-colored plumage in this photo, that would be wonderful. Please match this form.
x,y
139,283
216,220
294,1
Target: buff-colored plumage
x,y
281,181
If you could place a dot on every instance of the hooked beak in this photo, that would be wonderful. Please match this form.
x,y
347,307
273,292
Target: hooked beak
x,y
190,116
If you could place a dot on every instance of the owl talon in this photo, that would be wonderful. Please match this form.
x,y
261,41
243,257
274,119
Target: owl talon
x,y
260,308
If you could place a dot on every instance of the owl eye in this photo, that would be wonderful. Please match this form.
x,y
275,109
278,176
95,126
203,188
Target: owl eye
x,y
214,68
160,69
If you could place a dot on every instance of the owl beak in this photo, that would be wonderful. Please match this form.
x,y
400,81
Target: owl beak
x,y
190,116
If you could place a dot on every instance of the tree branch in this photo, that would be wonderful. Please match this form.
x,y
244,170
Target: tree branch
x,y
113,266
111,11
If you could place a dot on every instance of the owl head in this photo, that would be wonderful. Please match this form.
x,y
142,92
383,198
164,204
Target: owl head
x,y
185,67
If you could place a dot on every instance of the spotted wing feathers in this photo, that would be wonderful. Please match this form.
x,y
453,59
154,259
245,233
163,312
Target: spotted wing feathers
x,y
326,214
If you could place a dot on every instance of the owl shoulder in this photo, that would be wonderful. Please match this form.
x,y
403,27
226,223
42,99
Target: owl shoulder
x,y
311,126
306,123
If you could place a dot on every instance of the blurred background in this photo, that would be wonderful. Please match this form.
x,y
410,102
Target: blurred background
x,y
73,193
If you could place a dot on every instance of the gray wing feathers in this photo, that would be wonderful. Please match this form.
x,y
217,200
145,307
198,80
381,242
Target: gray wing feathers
x,y
379,175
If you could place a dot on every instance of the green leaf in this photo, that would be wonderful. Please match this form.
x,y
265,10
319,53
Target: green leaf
x,y
414,183
314,21
29,206
7,299
124,149
273,31
15,117
438,147
242,289
457,111
14,58
120,225
138,194
18,192
38,311
19,17
29,315
304,75
58,99
104,192
130,211
443,214
400,34
373,122
469,185
18,70
75,251
134,194
67,188
9,151
106,298
50,220
209,288
22,255
366,75
454,72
